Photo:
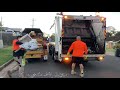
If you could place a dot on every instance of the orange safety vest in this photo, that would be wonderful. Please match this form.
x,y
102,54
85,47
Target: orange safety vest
x,y
79,48
15,46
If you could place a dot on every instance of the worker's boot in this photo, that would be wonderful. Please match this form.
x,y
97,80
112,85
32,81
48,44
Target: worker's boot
x,y
81,74
73,72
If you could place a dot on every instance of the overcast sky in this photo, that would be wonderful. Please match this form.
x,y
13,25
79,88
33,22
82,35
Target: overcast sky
x,y
44,20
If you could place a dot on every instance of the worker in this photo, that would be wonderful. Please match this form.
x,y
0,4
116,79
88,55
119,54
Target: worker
x,y
18,54
79,49
33,34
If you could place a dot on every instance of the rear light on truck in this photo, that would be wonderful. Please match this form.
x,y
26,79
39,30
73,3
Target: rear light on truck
x,y
100,58
67,60
102,19
68,17
65,17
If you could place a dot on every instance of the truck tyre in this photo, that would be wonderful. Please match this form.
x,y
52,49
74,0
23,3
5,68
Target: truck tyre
x,y
54,57
29,60
50,53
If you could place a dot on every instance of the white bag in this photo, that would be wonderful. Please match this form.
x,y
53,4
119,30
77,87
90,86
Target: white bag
x,y
25,45
33,44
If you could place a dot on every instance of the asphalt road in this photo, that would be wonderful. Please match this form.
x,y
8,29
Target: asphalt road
x,y
109,68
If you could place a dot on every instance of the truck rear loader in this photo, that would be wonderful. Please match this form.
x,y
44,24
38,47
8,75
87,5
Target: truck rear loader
x,y
92,30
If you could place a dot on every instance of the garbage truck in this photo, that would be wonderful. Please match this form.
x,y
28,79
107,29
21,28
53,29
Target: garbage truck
x,y
41,52
92,30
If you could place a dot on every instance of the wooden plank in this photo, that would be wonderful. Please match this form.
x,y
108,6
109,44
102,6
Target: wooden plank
x,y
45,52
34,56
34,52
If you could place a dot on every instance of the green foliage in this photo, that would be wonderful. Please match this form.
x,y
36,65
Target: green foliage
x,y
117,46
111,37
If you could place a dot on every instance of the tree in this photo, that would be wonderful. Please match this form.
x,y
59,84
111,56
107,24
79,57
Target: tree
x,y
111,30
110,37
117,36
108,34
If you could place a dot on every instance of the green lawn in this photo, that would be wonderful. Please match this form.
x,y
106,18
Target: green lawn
x,y
5,55
110,50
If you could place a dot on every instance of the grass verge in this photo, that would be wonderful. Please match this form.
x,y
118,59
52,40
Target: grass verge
x,y
5,55
110,50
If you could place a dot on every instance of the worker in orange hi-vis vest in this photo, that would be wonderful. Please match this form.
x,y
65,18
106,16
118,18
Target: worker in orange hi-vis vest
x,y
79,49
18,54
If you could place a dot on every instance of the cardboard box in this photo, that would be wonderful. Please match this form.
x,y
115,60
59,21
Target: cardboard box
x,y
25,38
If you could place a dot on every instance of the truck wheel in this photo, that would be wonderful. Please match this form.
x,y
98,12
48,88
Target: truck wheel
x,y
54,57
29,60
50,52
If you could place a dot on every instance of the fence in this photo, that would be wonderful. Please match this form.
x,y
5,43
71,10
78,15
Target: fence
x,y
7,38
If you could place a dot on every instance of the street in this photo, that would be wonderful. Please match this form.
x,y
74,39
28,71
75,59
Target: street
x,y
109,68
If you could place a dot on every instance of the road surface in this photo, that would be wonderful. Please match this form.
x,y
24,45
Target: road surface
x,y
109,68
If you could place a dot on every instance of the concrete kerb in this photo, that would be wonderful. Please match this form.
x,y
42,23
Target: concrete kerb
x,y
6,64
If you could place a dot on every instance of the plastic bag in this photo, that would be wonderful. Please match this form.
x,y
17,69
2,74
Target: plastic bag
x,y
33,44
25,45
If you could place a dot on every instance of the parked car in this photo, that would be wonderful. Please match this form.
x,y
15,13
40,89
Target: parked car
x,y
117,52
117,47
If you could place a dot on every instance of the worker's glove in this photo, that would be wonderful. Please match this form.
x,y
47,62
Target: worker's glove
x,y
85,57
68,54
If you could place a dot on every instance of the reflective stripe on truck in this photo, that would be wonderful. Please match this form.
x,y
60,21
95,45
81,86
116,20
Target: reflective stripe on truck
x,y
89,55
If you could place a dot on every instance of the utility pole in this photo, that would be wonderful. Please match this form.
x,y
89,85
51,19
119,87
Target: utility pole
x,y
33,22
1,28
1,40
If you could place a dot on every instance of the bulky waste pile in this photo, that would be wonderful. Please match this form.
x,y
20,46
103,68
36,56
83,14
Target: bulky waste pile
x,y
29,43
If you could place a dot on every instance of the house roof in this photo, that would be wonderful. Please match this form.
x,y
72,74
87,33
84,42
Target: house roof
x,y
14,29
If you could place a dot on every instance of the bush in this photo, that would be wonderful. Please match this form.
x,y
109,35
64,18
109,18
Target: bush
x,y
116,46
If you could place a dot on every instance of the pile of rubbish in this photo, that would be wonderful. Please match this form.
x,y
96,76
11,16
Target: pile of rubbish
x,y
29,43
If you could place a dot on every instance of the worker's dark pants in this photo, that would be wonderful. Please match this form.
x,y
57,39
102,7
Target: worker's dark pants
x,y
18,56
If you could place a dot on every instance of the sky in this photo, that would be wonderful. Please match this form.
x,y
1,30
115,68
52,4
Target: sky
x,y
44,20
